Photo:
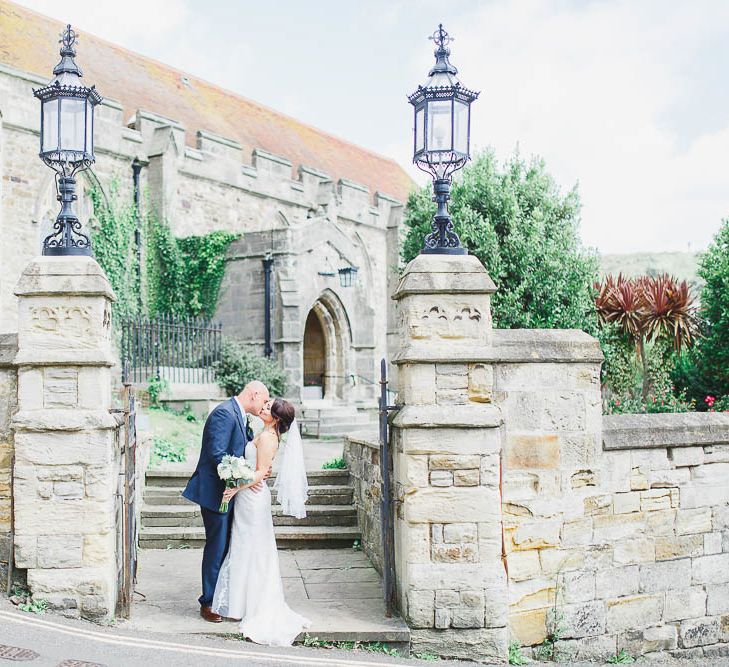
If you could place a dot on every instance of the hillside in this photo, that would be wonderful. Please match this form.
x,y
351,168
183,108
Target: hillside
x,y
682,265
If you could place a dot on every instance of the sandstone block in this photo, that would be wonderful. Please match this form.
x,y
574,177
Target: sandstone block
x,y
421,608
537,534
67,473
526,451
413,469
587,648
481,644
711,569
60,551
639,479
443,381
609,527
699,632
716,454
472,599
577,532
693,521
665,575
669,478
624,503
661,522
579,586
416,543
417,383
635,550
489,471
658,499
712,543
466,477
561,560
616,582
686,456
436,533
441,478
639,642
68,490
467,618
681,546
684,603
523,565
634,613
459,532
455,553
584,620
451,397
480,383
453,462
467,504
454,441
717,601
598,505
583,478
528,627
447,598
442,618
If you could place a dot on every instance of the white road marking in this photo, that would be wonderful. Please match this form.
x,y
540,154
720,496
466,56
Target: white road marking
x,y
140,642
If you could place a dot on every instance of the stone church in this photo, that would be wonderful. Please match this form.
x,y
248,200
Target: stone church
x,y
326,212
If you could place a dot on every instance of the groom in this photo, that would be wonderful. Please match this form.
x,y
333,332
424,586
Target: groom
x,y
226,432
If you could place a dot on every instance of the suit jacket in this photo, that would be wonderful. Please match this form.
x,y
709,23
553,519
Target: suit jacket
x,y
226,432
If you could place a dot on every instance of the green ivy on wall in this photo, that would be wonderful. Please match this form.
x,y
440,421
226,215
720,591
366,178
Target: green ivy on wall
x,y
112,237
181,276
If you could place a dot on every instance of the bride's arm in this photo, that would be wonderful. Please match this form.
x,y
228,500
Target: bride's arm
x,y
265,451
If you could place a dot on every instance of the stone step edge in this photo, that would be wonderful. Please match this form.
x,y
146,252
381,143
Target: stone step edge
x,y
320,489
162,472
154,510
282,532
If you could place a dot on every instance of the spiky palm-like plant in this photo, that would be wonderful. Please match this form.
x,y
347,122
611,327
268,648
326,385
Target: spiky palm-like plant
x,y
647,308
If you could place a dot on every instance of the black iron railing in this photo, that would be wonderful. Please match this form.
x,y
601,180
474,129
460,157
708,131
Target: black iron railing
x,y
177,349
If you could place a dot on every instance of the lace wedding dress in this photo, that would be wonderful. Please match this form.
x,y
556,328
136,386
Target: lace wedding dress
x,y
249,584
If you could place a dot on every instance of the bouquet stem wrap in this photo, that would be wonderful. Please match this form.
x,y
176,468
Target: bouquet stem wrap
x,y
234,471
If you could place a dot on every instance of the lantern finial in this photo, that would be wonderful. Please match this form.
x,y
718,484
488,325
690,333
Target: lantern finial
x,y
68,65
442,64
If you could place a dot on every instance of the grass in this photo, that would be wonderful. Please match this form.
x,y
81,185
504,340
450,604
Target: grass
x,y
369,647
622,658
335,464
515,656
175,434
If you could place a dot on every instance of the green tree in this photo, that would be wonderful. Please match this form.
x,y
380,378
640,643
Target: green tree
x,y
704,371
525,232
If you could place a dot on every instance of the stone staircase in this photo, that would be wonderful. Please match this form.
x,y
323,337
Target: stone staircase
x,y
338,420
169,520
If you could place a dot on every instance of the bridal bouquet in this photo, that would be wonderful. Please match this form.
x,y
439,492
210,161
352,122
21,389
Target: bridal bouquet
x,y
234,471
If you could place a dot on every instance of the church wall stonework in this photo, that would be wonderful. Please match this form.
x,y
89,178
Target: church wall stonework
x,y
216,186
8,407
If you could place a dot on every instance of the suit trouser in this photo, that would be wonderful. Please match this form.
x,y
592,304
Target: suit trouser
x,y
217,537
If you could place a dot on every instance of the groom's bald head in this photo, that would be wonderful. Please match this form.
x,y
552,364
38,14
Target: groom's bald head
x,y
254,397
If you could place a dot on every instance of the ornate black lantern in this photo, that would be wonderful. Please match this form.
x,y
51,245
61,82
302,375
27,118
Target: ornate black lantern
x,y
442,139
67,144
347,275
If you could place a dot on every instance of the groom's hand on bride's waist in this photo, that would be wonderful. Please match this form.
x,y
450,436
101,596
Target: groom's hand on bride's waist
x,y
258,487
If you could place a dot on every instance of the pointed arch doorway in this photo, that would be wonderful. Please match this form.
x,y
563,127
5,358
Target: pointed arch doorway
x,y
327,347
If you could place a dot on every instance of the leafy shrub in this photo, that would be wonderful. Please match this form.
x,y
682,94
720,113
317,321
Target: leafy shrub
x,y
705,369
525,232
238,366
335,464
156,388
167,451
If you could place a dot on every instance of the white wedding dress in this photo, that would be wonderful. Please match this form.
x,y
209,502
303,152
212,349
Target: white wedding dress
x,y
249,584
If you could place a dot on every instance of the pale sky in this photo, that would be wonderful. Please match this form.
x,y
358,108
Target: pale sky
x,y
628,98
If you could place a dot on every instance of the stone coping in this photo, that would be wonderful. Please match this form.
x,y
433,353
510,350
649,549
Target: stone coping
x,y
687,429
64,276
448,416
510,346
63,420
365,439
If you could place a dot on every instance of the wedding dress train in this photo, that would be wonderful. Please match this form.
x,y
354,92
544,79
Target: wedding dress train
x,y
249,585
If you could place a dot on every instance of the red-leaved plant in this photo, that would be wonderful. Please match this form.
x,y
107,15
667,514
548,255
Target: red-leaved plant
x,y
646,308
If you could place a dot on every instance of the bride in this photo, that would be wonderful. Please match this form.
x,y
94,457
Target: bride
x,y
249,584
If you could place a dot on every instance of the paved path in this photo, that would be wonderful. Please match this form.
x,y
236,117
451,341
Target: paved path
x,y
338,590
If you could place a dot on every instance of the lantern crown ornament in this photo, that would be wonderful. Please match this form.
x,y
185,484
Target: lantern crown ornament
x,y
442,131
67,143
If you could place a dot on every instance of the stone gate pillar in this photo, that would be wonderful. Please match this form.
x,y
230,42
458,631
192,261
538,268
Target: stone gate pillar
x,y
65,460
447,447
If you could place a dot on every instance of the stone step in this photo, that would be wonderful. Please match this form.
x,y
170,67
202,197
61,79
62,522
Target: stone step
x,y
287,537
183,516
333,494
177,478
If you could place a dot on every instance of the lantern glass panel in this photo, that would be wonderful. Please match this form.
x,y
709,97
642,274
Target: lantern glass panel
x,y
439,125
73,124
460,127
50,126
89,127
419,129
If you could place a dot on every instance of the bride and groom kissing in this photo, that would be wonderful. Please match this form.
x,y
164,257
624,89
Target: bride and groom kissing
x,y
240,567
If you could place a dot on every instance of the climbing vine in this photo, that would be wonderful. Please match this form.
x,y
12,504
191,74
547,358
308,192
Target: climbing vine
x,y
180,276
112,236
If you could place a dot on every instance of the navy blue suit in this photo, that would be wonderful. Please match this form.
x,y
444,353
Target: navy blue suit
x,y
225,432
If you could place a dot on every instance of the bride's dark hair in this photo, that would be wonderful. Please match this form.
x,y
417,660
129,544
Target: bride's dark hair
x,y
284,412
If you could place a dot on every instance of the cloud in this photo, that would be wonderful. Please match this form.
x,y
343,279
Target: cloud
x,y
590,87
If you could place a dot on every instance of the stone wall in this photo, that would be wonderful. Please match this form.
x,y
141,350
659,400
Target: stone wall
x,y
362,455
8,406
615,528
